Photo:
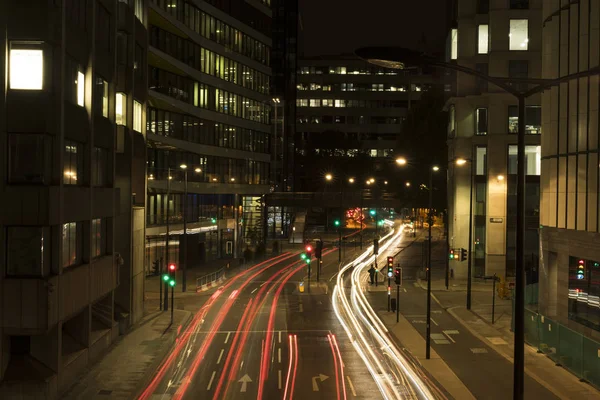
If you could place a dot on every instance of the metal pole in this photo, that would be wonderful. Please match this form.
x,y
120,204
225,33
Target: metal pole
x,y
428,338
341,220
519,351
183,280
283,148
275,137
447,232
160,284
389,294
493,298
470,247
166,305
397,303
361,219
172,302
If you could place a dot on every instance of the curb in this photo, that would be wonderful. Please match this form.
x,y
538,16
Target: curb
x,y
153,369
507,357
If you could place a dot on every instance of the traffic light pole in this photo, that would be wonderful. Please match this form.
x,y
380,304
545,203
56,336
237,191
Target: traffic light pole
x,y
430,220
166,305
397,303
340,243
389,294
469,257
172,302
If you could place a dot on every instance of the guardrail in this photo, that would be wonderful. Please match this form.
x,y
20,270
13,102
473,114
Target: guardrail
x,y
210,280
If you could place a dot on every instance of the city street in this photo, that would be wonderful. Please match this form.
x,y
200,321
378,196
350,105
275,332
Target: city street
x,y
222,354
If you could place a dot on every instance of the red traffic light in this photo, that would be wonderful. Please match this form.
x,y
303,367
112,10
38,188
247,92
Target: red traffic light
x,y
390,261
309,248
172,267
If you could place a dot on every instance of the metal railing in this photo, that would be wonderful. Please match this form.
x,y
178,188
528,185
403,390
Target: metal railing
x,y
210,278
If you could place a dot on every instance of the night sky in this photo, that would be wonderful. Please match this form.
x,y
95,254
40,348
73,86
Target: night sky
x,y
340,26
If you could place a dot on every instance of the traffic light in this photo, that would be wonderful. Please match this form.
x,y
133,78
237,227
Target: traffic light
x,y
309,250
452,255
375,246
390,266
337,223
581,269
372,212
319,249
166,277
463,254
213,220
398,276
172,268
172,282
303,256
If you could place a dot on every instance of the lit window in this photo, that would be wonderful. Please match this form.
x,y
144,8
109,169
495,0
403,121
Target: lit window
x,y
451,121
373,152
70,244
533,160
137,116
482,47
481,161
454,44
98,237
120,107
26,69
101,96
315,102
80,82
340,103
72,163
518,34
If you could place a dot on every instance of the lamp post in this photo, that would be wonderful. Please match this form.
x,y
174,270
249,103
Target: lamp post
x,y
184,249
399,58
459,162
430,222
166,298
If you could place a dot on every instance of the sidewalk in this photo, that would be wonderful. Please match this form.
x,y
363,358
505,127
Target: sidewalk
x,y
137,355
499,337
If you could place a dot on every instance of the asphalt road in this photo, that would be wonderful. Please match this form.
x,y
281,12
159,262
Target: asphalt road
x,y
487,374
259,337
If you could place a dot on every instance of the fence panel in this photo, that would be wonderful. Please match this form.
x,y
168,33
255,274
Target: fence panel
x,y
570,349
531,328
591,361
549,338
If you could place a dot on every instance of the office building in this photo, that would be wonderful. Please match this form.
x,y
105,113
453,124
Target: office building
x,y
501,39
569,286
349,116
284,61
208,128
72,189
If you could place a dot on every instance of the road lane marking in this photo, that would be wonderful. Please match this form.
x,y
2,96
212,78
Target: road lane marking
x,y
255,289
212,378
433,320
405,291
241,364
262,284
220,355
227,338
279,379
279,336
448,336
351,386
279,355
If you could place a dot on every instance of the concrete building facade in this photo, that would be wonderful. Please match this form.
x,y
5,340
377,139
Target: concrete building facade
x,y
501,38
73,189
570,262
208,128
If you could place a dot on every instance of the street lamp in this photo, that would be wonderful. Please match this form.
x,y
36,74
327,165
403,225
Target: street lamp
x,y
461,162
350,180
401,161
407,184
433,169
400,58
328,177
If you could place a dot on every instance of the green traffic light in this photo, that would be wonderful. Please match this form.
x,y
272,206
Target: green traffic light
x,y
372,212
214,220
303,256
308,260
336,222
165,277
172,283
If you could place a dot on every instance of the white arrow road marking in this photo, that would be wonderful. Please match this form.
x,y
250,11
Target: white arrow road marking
x,y
351,386
244,381
212,378
220,355
314,381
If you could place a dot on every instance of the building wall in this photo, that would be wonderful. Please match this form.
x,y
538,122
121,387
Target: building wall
x,y
569,204
495,179
209,110
59,195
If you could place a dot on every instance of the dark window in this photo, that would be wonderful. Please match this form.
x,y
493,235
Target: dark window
x,y
481,85
483,6
139,65
121,48
519,4
519,69
75,12
103,24
25,252
98,237
101,97
23,166
481,121
100,163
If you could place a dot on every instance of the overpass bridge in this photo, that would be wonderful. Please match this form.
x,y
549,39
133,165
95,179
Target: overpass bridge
x,y
334,199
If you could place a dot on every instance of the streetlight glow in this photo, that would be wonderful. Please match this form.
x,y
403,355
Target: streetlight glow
x,y
372,180
351,180
401,161
328,177
197,170
183,166
461,161
407,184
500,177
385,182
436,168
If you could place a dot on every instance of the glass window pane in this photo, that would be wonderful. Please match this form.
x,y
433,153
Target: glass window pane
x,y
518,35
482,47
481,121
26,69
454,44
120,107
25,252
481,161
